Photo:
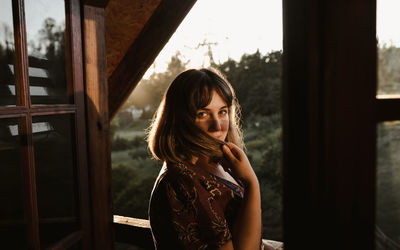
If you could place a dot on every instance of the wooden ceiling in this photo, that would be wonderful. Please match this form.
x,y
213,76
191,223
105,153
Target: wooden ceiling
x,y
124,21
136,31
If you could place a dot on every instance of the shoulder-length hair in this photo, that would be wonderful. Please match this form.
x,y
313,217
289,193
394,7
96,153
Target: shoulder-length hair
x,y
173,136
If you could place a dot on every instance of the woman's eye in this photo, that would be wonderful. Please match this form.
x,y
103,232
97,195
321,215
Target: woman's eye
x,y
201,114
223,112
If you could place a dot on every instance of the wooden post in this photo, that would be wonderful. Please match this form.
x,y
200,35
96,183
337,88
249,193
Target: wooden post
x,y
328,124
98,127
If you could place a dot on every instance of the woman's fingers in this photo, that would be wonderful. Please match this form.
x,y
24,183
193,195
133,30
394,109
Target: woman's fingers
x,y
236,151
231,157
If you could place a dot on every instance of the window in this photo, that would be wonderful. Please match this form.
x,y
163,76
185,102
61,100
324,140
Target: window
x,y
43,190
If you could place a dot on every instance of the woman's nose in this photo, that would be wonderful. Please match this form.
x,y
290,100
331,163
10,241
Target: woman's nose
x,y
215,124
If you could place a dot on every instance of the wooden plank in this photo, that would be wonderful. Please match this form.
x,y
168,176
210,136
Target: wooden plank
x,y
132,221
387,109
96,3
329,81
98,127
74,21
155,34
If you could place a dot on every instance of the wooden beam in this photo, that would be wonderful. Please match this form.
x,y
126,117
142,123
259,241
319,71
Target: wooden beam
x,y
155,34
98,127
96,3
387,109
75,61
329,89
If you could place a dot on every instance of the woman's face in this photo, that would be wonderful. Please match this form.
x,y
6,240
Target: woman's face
x,y
214,118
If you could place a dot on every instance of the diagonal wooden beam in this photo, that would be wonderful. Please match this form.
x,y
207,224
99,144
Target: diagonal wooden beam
x,y
141,54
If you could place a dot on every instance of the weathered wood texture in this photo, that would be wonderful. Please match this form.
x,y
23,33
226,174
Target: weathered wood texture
x,y
124,21
148,44
329,123
98,127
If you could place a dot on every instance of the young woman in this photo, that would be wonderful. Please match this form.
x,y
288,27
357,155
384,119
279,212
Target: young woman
x,y
206,195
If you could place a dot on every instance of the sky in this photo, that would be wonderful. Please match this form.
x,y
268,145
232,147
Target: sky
x,y
232,27
387,22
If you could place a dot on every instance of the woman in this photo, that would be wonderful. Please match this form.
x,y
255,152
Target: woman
x,y
207,195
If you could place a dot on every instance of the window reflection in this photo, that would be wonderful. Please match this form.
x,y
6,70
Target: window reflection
x,y
388,186
12,224
45,27
55,176
7,79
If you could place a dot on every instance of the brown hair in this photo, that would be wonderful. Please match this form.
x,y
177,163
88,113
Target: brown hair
x,y
173,137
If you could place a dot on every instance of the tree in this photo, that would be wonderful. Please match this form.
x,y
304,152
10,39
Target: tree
x,y
147,95
257,82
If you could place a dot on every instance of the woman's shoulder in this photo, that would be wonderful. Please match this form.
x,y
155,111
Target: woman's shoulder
x,y
176,173
180,169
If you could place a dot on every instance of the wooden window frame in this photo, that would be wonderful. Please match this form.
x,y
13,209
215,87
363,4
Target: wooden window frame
x,y
25,111
329,123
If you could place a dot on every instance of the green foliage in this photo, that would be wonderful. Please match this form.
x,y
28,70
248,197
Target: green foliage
x,y
131,194
389,70
257,82
149,92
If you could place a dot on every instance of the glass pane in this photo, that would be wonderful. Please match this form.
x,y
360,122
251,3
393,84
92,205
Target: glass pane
x,y
388,186
45,28
7,80
54,139
12,224
388,47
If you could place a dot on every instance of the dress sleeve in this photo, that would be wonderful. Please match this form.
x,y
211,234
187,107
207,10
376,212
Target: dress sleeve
x,y
197,208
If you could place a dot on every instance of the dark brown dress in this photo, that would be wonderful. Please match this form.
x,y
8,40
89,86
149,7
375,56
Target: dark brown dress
x,y
191,208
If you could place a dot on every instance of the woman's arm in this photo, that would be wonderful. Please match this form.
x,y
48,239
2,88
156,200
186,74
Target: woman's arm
x,y
247,229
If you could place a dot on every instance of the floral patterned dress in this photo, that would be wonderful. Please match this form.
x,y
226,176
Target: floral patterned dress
x,y
191,208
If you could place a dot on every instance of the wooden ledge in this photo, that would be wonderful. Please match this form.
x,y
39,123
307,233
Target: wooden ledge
x,y
131,221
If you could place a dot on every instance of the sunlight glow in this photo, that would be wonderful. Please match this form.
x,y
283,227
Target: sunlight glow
x,y
387,19
230,27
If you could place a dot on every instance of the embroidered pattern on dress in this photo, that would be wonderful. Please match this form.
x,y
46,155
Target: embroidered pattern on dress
x,y
219,223
185,197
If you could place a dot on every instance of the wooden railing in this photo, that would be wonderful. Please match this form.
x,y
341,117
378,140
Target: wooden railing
x,y
133,231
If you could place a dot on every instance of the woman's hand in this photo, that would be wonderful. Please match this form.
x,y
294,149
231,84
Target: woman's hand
x,y
247,227
236,160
